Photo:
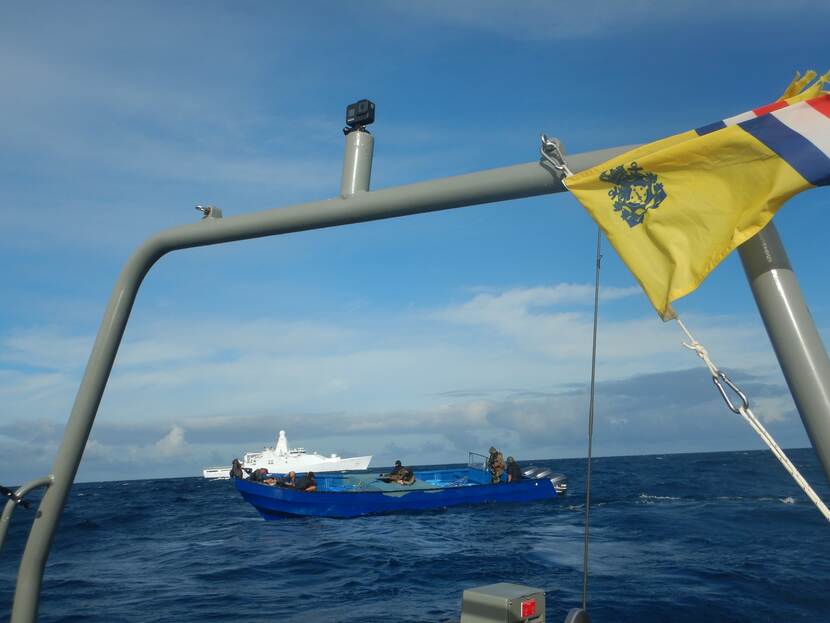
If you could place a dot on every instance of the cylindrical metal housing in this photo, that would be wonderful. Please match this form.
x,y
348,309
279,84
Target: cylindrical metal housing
x,y
793,334
357,162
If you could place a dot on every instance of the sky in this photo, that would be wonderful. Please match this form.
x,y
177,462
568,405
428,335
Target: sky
x,y
418,338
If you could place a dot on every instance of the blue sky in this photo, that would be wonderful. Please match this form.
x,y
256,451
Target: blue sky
x,y
418,338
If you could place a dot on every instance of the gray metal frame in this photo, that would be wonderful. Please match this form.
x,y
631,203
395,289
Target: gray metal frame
x,y
356,205
515,182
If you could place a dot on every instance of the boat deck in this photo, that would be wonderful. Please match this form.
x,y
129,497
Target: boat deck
x,y
427,480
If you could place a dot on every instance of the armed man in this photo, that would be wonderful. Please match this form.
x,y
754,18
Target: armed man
x,y
495,464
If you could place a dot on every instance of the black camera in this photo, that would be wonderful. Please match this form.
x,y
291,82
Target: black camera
x,y
359,114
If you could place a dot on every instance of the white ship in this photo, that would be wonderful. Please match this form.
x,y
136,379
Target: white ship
x,y
281,459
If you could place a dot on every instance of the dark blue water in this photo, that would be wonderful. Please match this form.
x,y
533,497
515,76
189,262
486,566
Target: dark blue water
x,y
694,537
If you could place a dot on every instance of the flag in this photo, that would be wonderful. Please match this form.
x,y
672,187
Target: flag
x,y
675,208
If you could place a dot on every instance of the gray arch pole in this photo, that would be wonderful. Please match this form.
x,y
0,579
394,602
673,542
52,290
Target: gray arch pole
x,y
793,334
515,182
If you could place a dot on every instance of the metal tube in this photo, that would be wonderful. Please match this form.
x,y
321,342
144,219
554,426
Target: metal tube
x,y
357,162
6,518
793,334
524,180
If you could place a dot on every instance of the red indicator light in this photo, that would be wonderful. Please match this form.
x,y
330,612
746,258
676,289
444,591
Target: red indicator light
x,y
528,608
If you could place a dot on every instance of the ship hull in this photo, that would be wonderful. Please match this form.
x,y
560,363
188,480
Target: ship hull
x,y
307,463
301,465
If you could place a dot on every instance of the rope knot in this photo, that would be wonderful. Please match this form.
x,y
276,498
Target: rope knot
x,y
703,354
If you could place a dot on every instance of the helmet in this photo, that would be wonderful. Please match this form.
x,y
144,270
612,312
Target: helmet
x,y
510,459
397,463
493,449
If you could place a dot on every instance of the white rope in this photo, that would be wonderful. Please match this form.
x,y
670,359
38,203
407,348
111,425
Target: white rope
x,y
753,421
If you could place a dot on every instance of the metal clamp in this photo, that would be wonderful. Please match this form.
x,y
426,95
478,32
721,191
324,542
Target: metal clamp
x,y
553,152
17,499
209,211
744,400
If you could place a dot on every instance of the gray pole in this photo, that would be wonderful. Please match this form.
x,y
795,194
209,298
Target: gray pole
x,y
357,162
793,334
523,180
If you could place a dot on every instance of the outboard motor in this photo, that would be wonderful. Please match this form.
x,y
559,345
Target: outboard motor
x,y
530,471
559,481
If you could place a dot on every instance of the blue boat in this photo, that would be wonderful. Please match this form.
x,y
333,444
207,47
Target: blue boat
x,y
354,495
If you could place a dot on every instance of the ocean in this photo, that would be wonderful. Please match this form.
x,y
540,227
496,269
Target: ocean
x,y
685,537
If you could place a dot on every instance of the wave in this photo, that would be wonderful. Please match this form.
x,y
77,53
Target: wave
x,y
654,498
669,541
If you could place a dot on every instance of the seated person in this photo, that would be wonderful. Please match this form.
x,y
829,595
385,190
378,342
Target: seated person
x,y
259,475
289,481
407,476
514,471
394,475
306,483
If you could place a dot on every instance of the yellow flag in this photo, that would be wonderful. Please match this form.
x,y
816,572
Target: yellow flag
x,y
674,209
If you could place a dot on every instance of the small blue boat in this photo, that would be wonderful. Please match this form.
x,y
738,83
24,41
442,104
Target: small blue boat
x,y
354,495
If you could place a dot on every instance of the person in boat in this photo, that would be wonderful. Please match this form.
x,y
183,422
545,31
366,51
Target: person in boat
x,y
394,475
276,481
495,464
514,471
259,475
407,476
307,483
236,469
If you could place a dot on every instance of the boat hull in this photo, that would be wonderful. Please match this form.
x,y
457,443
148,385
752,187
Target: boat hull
x,y
217,473
277,502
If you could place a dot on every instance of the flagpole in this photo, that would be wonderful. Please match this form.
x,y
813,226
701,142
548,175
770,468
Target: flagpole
x,y
591,422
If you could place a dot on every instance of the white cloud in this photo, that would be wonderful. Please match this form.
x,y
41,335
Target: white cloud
x,y
678,411
44,347
500,365
549,321
526,339
774,409
96,451
172,444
